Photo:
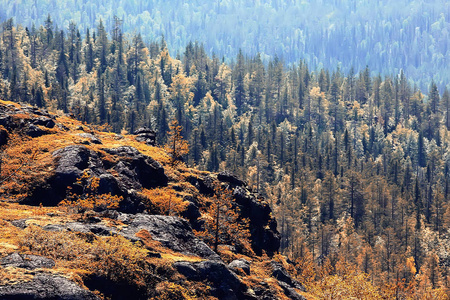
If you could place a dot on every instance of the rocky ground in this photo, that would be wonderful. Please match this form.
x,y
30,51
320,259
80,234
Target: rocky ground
x,y
136,250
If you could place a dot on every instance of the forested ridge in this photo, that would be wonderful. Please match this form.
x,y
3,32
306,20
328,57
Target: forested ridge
x,y
356,167
387,36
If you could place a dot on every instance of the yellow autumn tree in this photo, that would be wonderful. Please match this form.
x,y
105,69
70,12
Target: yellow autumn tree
x,y
176,146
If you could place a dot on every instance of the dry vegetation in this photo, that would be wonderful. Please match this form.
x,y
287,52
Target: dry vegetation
x,y
79,256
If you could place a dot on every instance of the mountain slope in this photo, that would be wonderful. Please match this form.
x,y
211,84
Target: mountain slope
x,y
104,239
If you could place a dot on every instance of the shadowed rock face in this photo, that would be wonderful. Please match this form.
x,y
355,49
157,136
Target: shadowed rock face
x,y
146,135
224,283
134,170
45,286
263,227
42,286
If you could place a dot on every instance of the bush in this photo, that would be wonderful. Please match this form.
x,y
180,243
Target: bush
x,y
89,199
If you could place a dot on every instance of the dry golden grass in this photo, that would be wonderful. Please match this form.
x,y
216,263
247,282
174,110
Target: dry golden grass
x,y
10,275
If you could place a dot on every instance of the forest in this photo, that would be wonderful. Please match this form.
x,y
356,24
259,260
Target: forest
x,y
387,36
356,167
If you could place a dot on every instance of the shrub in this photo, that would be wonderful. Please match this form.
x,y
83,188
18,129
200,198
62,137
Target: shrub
x,y
89,199
112,257
164,200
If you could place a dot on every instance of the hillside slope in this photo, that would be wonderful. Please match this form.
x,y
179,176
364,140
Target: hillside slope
x,y
88,214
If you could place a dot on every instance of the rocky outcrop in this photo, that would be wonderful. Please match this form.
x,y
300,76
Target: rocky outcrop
x,y
4,135
29,262
46,286
36,123
42,286
36,131
240,264
263,227
90,138
224,283
280,273
146,135
172,232
134,170
138,170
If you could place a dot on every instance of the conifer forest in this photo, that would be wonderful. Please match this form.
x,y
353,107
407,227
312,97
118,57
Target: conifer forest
x,y
339,117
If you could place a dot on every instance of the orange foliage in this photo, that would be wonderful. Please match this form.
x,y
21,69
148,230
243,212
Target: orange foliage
x,y
90,199
164,200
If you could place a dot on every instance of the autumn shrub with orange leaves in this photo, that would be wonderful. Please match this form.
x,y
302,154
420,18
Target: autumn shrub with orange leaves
x,y
90,199
113,257
163,201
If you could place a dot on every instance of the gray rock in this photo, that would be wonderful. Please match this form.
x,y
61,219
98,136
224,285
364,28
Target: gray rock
x,y
46,287
92,138
138,170
29,262
290,292
224,283
144,130
240,264
146,135
280,273
34,131
172,232
185,268
44,121
20,223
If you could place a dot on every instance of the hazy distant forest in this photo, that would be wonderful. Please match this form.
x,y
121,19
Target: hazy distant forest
x,y
355,165
385,35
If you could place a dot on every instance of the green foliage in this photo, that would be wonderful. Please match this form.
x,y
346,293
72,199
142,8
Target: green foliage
x,y
325,148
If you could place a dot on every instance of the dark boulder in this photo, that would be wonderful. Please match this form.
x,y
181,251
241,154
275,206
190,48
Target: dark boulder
x,y
205,185
3,136
290,292
35,131
45,286
44,121
143,130
263,227
262,291
280,273
137,170
90,137
146,135
134,170
108,184
230,178
29,262
172,232
6,121
224,283
187,269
